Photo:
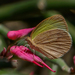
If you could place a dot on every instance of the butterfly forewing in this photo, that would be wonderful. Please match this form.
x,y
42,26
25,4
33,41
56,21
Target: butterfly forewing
x,y
52,43
54,22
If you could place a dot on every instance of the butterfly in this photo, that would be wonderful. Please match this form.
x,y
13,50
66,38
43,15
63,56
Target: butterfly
x,y
51,37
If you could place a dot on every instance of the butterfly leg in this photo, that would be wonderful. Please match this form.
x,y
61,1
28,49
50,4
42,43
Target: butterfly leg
x,y
34,53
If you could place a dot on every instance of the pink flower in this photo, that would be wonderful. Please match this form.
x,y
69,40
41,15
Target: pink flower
x,y
74,60
13,35
25,54
72,69
32,73
4,54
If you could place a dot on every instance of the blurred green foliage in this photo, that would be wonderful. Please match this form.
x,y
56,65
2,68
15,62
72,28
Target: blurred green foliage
x,y
2,43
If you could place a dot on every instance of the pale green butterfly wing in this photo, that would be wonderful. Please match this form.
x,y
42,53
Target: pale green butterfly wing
x,y
54,22
52,43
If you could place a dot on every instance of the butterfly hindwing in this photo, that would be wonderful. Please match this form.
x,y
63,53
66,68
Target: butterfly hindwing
x,y
52,43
